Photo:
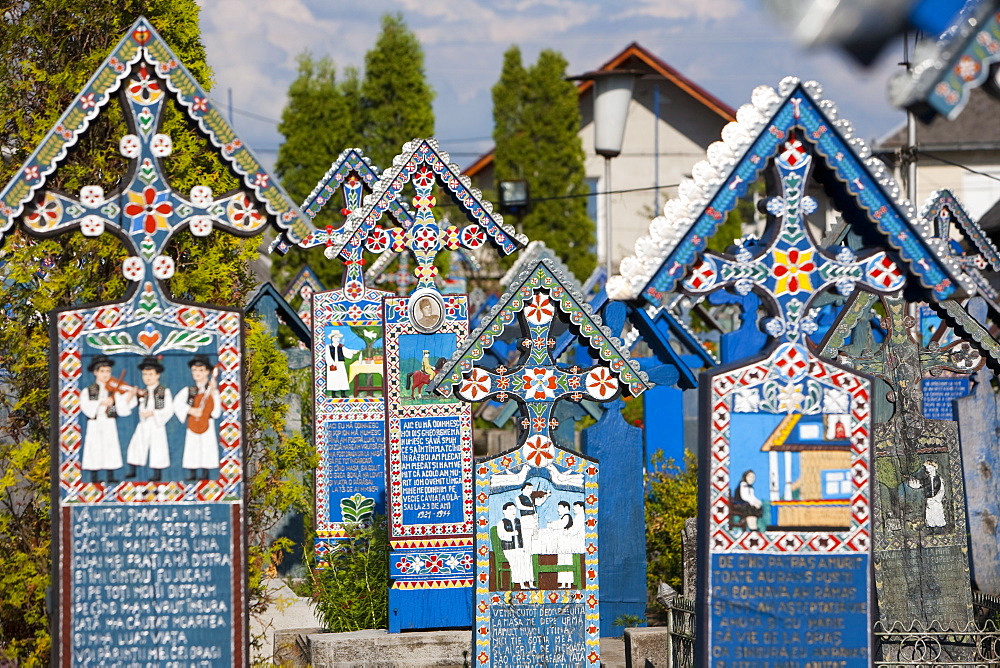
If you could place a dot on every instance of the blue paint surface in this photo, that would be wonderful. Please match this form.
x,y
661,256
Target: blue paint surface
x,y
432,470
621,521
548,634
355,463
939,393
152,583
664,426
775,610
430,608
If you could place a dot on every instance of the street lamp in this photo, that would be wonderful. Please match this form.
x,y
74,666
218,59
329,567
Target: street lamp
x,y
612,95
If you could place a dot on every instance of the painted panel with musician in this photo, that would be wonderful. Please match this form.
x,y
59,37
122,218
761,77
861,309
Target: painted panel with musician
x,y
149,409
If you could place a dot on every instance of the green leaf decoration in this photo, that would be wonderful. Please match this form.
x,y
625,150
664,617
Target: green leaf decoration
x,y
357,508
113,343
148,306
187,341
147,248
147,172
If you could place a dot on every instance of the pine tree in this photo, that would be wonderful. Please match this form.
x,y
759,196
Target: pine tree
x,y
319,121
396,100
48,50
536,124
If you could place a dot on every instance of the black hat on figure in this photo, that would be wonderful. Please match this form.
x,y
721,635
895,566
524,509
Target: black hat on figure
x,y
99,361
201,360
151,362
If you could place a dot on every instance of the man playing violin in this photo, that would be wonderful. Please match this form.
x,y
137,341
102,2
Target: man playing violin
x,y
102,405
155,403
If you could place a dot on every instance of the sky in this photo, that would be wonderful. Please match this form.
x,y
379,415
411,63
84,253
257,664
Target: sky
x,y
726,46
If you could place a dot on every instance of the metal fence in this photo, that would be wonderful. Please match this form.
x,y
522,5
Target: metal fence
x,y
919,644
898,646
680,622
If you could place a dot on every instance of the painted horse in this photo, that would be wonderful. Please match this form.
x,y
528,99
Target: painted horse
x,y
417,380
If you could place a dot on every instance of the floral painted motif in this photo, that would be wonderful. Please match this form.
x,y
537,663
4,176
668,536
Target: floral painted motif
x,y
793,269
149,210
539,384
601,384
539,310
476,386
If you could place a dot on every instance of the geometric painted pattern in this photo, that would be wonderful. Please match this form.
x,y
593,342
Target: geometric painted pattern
x,y
771,377
762,132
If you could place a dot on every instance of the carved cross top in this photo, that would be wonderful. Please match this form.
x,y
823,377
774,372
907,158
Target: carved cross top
x,y
537,383
900,362
147,210
790,269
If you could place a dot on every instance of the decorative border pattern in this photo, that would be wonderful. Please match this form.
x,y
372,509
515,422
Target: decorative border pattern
x,y
679,236
333,308
486,601
72,326
722,538
397,324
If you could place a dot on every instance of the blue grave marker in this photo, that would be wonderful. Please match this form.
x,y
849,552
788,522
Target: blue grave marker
x,y
428,440
148,395
537,505
786,446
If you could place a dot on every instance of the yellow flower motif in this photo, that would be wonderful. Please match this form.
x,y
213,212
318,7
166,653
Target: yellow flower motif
x,y
793,269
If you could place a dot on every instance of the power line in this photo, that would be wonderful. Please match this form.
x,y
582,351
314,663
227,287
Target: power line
x,y
604,192
957,164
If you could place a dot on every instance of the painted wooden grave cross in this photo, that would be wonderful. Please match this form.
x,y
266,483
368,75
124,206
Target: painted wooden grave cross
x,y
979,427
148,392
785,454
537,594
919,529
799,418
428,439
348,375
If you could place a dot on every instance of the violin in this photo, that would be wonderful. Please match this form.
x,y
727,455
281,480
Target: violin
x,y
203,400
119,386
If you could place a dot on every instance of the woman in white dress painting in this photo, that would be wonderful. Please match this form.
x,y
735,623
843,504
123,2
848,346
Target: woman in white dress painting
x,y
929,482
156,406
102,451
567,528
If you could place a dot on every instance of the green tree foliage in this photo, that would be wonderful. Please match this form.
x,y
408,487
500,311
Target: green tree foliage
x,y
278,465
319,121
396,100
536,119
391,105
48,50
671,498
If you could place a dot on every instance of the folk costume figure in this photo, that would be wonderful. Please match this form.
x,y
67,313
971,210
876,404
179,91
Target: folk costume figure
x,y
745,501
103,405
199,406
336,365
510,531
563,526
156,406
527,503
929,482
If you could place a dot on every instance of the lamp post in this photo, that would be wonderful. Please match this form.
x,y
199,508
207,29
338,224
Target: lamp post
x,y
612,94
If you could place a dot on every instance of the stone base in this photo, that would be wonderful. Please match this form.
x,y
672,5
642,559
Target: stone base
x,y
372,649
647,647
380,649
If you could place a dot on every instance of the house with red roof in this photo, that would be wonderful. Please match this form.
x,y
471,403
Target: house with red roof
x,y
671,121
